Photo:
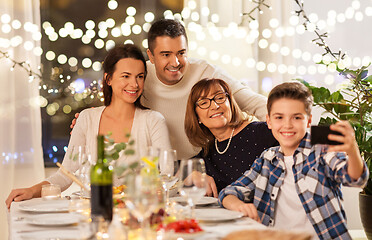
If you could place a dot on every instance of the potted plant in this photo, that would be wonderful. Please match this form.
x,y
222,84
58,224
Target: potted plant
x,y
352,103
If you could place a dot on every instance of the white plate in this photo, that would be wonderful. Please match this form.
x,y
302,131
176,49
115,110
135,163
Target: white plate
x,y
54,219
203,201
65,234
40,205
216,215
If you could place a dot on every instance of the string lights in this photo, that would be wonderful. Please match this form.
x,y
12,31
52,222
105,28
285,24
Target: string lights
x,y
102,35
23,64
309,26
337,56
259,5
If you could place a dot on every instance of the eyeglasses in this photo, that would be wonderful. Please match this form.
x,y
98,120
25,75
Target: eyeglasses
x,y
206,102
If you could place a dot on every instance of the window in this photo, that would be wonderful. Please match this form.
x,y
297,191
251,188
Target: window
x,y
75,37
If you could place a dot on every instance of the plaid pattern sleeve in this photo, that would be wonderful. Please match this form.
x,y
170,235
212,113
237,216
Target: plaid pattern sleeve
x,y
242,187
337,164
318,176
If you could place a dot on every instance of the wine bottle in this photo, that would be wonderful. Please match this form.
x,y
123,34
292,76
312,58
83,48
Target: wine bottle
x,y
101,185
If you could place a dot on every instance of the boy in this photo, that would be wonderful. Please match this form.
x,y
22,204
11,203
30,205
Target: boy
x,y
297,185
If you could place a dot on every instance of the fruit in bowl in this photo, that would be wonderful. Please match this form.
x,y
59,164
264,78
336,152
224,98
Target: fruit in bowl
x,y
182,226
118,196
118,189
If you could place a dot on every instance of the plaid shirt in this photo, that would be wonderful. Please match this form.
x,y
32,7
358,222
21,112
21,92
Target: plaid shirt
x,y
318,176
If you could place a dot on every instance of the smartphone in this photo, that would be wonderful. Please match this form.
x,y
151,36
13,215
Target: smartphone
x,y
319,135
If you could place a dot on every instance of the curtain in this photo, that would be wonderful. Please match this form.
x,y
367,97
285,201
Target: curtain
x,y
20,121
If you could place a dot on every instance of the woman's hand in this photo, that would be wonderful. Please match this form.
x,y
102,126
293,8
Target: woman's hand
x,y
19,194
74,121
211,187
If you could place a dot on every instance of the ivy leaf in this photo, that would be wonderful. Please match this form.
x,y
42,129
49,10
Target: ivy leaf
x,y
134,165
129,152
119,170
75,157
115,155
120,146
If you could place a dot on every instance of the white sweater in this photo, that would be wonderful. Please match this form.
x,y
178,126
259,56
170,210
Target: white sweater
x,y
171,100
148,129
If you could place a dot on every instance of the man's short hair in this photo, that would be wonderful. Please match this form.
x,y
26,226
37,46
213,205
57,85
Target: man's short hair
x,y
165,27
291,90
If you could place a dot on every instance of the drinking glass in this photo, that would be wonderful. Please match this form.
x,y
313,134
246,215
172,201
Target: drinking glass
x,y
141,199
50,191
150,161
168,167
82,157
193,181
81,207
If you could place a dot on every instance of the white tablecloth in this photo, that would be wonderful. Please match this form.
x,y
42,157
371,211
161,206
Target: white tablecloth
x,y
20,229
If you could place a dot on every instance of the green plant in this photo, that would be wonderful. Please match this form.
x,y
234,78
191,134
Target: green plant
x,y
352,103
113,154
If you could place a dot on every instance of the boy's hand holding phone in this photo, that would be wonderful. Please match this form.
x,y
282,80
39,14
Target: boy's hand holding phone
x,y
340,137
349,145
347,139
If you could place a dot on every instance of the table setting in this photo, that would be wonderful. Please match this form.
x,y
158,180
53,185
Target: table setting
x,y
51,219
165,199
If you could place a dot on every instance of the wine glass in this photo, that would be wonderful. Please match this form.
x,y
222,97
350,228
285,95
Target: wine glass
x,y
168,167
84,174
141,198
83,160
193,181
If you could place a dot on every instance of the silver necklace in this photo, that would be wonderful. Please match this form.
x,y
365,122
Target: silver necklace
x,y
228,144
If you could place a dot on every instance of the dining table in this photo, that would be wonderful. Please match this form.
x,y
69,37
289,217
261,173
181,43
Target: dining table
x,y
49,219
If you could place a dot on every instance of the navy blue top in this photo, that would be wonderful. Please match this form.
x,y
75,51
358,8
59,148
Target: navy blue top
x,y
244,148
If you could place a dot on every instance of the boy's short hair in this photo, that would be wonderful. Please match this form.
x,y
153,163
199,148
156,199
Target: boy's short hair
x,y
291,90
165,27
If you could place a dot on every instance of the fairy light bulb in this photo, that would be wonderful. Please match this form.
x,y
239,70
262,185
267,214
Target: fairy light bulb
x,y
112,4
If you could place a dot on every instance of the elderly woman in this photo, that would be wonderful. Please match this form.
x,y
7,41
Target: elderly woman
x,y
229,139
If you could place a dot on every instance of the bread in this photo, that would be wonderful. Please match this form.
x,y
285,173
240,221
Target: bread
x,y
267,235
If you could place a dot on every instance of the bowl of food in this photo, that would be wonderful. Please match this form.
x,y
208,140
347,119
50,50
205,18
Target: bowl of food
x,y
118,196
186,229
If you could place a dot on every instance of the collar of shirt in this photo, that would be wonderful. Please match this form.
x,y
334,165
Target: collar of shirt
x,y
303,149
